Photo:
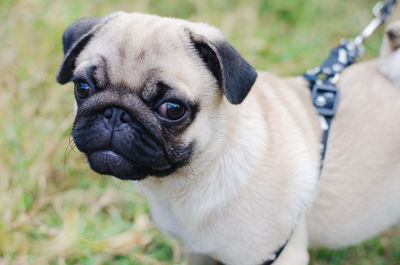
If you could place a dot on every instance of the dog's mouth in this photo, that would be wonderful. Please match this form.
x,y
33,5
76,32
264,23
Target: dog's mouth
x,y
127,149
111,162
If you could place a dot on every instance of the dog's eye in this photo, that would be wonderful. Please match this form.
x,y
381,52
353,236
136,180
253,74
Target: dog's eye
x,y
83,90
171,111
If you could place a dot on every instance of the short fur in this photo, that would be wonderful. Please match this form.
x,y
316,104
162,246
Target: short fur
x,y
252,171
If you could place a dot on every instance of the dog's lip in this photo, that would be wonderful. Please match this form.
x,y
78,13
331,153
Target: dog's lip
x,y
110,153
116,154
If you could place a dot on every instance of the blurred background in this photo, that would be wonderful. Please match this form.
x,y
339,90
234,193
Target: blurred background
x,y
53,209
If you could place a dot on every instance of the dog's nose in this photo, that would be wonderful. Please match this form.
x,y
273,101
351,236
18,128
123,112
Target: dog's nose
x,y
115,113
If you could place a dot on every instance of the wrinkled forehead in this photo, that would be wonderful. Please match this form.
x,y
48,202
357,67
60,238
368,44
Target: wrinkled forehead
x,y
133,49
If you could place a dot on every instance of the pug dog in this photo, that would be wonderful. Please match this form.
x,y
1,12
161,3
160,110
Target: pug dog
x,y
389,62
228,157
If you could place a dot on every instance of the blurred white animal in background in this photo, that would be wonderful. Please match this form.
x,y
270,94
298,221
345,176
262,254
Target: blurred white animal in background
x,y
389,61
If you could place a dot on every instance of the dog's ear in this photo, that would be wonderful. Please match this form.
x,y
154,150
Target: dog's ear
x,y
235,76
75,38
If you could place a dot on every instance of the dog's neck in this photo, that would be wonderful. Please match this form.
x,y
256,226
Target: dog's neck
x,y
213,180
212,199
191,205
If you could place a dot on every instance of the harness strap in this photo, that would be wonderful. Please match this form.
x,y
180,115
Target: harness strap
x,y
324,92
277,254
386,9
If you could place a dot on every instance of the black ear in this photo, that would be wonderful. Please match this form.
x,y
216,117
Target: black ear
x,y
235,76
75,38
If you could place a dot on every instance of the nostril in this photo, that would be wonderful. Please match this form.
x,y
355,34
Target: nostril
x,y
117,114
125,117
108,113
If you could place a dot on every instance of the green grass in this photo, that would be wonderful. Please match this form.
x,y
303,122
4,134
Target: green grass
x,y
53,209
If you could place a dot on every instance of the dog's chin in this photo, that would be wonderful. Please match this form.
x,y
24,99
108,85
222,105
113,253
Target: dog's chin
x,y
108,162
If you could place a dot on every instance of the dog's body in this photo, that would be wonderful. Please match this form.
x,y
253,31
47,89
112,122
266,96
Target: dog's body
x,y
233,182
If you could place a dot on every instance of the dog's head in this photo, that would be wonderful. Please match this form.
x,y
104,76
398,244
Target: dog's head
x,y
391,40
393,34
146,89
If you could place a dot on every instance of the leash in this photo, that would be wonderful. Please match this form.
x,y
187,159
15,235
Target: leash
x,y
323,79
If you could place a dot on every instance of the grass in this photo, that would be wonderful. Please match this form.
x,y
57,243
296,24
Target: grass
x,y
53,209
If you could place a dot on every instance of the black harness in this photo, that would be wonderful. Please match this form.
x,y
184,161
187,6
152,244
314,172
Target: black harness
x,y
324,92
276,253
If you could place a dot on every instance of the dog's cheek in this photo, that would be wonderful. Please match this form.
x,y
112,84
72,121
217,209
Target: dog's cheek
x,y
90,134
204,133
183,152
